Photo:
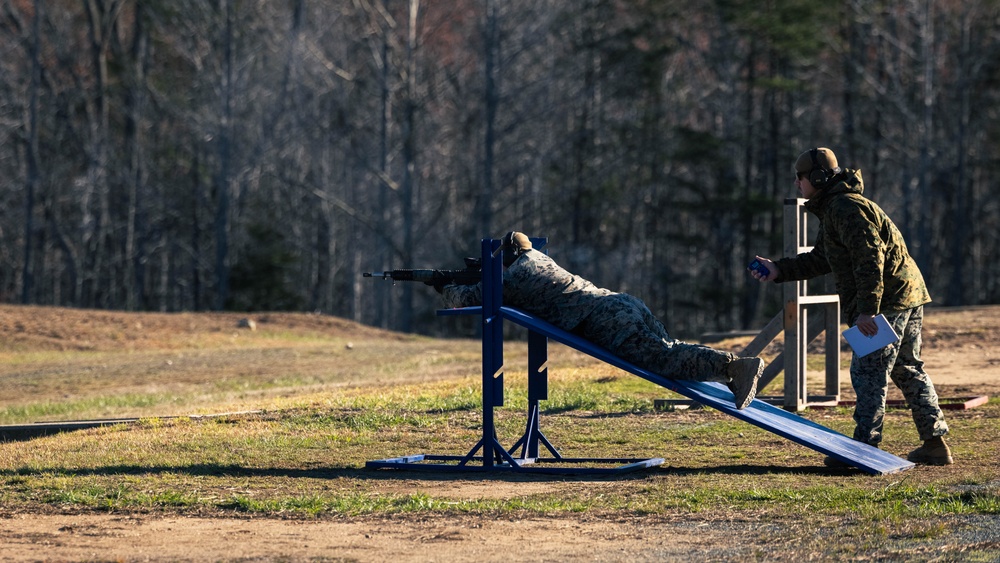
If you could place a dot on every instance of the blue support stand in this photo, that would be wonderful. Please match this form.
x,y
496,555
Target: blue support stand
x,y
489,454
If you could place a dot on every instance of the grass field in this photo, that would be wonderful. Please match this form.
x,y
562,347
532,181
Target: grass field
x,y
314,399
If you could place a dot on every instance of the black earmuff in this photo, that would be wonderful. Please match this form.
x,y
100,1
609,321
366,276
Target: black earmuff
x,y
819,176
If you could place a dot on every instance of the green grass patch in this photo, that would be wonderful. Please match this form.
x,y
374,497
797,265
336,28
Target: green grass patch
x,y
76,408
715,463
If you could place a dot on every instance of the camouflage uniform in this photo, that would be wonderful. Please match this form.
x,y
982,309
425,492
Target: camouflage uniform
x,y
874,274
619,322
901,362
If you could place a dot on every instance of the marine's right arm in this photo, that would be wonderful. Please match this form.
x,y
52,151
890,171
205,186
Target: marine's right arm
x,y
806,265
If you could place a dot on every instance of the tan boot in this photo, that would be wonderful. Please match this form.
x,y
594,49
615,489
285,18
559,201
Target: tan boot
x,y
743,376
934,452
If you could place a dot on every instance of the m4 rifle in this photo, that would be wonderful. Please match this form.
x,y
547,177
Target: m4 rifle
x,y
470,275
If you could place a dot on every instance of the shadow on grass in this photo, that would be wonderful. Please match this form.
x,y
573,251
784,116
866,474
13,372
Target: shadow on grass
x,y
819,470
472,473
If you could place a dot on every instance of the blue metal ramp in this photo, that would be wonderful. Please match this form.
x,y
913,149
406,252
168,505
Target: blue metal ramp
x,y
763,415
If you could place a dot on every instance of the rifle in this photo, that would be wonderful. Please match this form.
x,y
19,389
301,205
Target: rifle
x,y
471,275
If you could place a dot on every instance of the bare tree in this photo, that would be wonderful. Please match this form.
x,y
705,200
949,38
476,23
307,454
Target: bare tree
x,y
31,154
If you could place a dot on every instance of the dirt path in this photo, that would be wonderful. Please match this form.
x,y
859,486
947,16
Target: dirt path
x,y
141,538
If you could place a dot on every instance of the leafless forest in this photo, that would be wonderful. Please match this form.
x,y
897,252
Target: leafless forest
x,y
170,155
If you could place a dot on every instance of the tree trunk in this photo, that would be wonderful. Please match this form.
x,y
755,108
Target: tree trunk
x,y
406,188
31,156
491,101
138,220
223,177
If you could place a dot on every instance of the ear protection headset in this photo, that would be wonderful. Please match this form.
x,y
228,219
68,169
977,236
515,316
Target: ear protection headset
x,y
819,177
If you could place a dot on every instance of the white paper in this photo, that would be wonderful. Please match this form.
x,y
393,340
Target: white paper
x,y
864,345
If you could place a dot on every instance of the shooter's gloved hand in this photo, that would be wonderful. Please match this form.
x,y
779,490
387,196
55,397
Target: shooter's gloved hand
x,y
437,281
438,285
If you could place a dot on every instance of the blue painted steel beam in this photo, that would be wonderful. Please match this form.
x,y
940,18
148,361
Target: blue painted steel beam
x,y
567,466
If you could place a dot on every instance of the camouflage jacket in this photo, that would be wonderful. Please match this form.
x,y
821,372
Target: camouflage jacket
x,y
537,285
863,248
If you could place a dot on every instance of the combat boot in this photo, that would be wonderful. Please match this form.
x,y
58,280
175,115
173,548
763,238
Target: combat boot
x,y
743,376
934,452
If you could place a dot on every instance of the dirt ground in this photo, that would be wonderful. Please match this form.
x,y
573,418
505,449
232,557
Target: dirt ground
x,y
139,538
961,351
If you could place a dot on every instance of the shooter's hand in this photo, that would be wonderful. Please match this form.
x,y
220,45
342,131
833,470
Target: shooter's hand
x,y
438,285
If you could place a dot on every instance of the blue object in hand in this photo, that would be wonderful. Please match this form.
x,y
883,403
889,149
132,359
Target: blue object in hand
x,y
756,266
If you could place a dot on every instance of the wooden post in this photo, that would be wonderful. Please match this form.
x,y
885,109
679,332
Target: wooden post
x,y
797,333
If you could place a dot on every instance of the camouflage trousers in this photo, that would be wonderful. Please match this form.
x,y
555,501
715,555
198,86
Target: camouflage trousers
x,y
901,362
625,326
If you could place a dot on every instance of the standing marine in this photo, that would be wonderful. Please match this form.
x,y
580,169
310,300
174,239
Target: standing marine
x,y
874,274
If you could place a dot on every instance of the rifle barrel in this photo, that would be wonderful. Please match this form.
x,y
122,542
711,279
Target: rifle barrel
x,y
431,277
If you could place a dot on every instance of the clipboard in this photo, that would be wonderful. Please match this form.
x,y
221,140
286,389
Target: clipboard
x,y
864,345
